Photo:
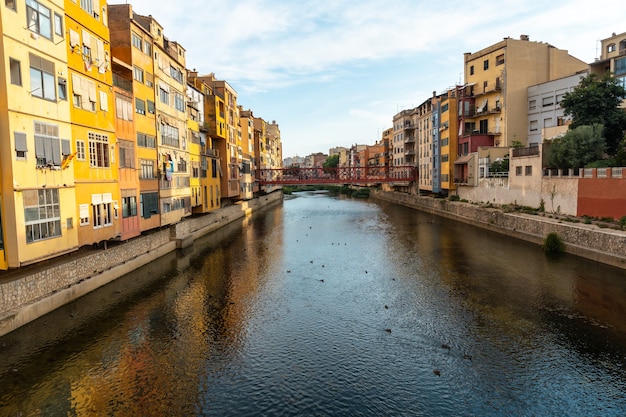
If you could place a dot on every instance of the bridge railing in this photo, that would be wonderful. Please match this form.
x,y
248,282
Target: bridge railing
x,y
337,175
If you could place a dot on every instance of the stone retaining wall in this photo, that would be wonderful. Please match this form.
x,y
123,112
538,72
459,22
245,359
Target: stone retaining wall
x,y
31,295
588,241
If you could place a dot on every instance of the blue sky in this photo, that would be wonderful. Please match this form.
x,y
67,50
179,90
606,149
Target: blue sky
x,y
333,73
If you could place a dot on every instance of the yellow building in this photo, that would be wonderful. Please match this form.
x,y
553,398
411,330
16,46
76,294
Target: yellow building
x,y
92,112
212,128
612,59
132,47
37,196
246,120
448,140
195,117
493,103
171,122
223,124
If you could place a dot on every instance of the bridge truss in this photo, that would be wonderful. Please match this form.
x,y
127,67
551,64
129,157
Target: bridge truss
x,y
338,175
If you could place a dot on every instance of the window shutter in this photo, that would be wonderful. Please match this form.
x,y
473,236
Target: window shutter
x,y
20,142
65,147
40,151
55,145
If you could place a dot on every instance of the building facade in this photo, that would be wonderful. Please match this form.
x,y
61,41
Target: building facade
x,y
37,187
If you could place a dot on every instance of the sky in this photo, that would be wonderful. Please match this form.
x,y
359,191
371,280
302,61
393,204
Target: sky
x,y
334,73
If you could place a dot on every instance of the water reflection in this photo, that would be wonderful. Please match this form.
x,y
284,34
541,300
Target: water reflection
x,y
328,306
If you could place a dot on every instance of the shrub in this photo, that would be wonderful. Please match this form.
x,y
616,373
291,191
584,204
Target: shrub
x,y
553,244
622,222
454,197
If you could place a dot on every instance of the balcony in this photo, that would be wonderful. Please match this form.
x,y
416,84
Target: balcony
x,y
529,151
123,83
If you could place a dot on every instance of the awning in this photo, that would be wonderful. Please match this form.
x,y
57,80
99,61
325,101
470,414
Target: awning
x,y
464,159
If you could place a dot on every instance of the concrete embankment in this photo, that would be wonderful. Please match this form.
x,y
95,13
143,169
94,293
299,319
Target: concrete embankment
x,y
588,241
28,295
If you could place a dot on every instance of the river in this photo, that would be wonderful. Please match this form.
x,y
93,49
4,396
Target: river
x,y
332,306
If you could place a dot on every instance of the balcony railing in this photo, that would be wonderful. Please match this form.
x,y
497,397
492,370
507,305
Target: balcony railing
x,y
122,83
529,151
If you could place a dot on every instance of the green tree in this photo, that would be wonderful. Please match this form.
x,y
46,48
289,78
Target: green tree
x,y
578,147
331,162
596,100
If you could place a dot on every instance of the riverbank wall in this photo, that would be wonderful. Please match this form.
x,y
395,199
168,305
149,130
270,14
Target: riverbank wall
x,y
603,245
29,294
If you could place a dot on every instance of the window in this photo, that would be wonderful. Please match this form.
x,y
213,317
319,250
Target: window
x,y
532,104
10,4
129,206
214,168
140,106
179,102
547,101
176,74
484,126
528,170
472,70
146,141
42,83
164,96
84,93
444,142
42,214
127,153
149,79
620,66
138,74
80,150
137,42
21,146
147,170
58,24
62,88
518,171
149,204
533,125
147,48
87,5
102,215
169,135
486,64
123,109
500,59
559,98
182,165
98,150
150,104
84,214
16,71
38,19
610,48
48,145
547,122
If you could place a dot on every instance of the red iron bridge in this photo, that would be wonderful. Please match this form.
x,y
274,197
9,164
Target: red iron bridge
x,y
339,175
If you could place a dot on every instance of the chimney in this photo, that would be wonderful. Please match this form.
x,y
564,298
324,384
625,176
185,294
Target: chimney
x,y
523,37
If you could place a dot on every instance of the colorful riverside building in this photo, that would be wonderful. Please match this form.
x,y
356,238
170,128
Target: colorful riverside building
x,y
171,121
248,167
439,142
222,116
211,130
133,72
37,195
493,102
95,162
